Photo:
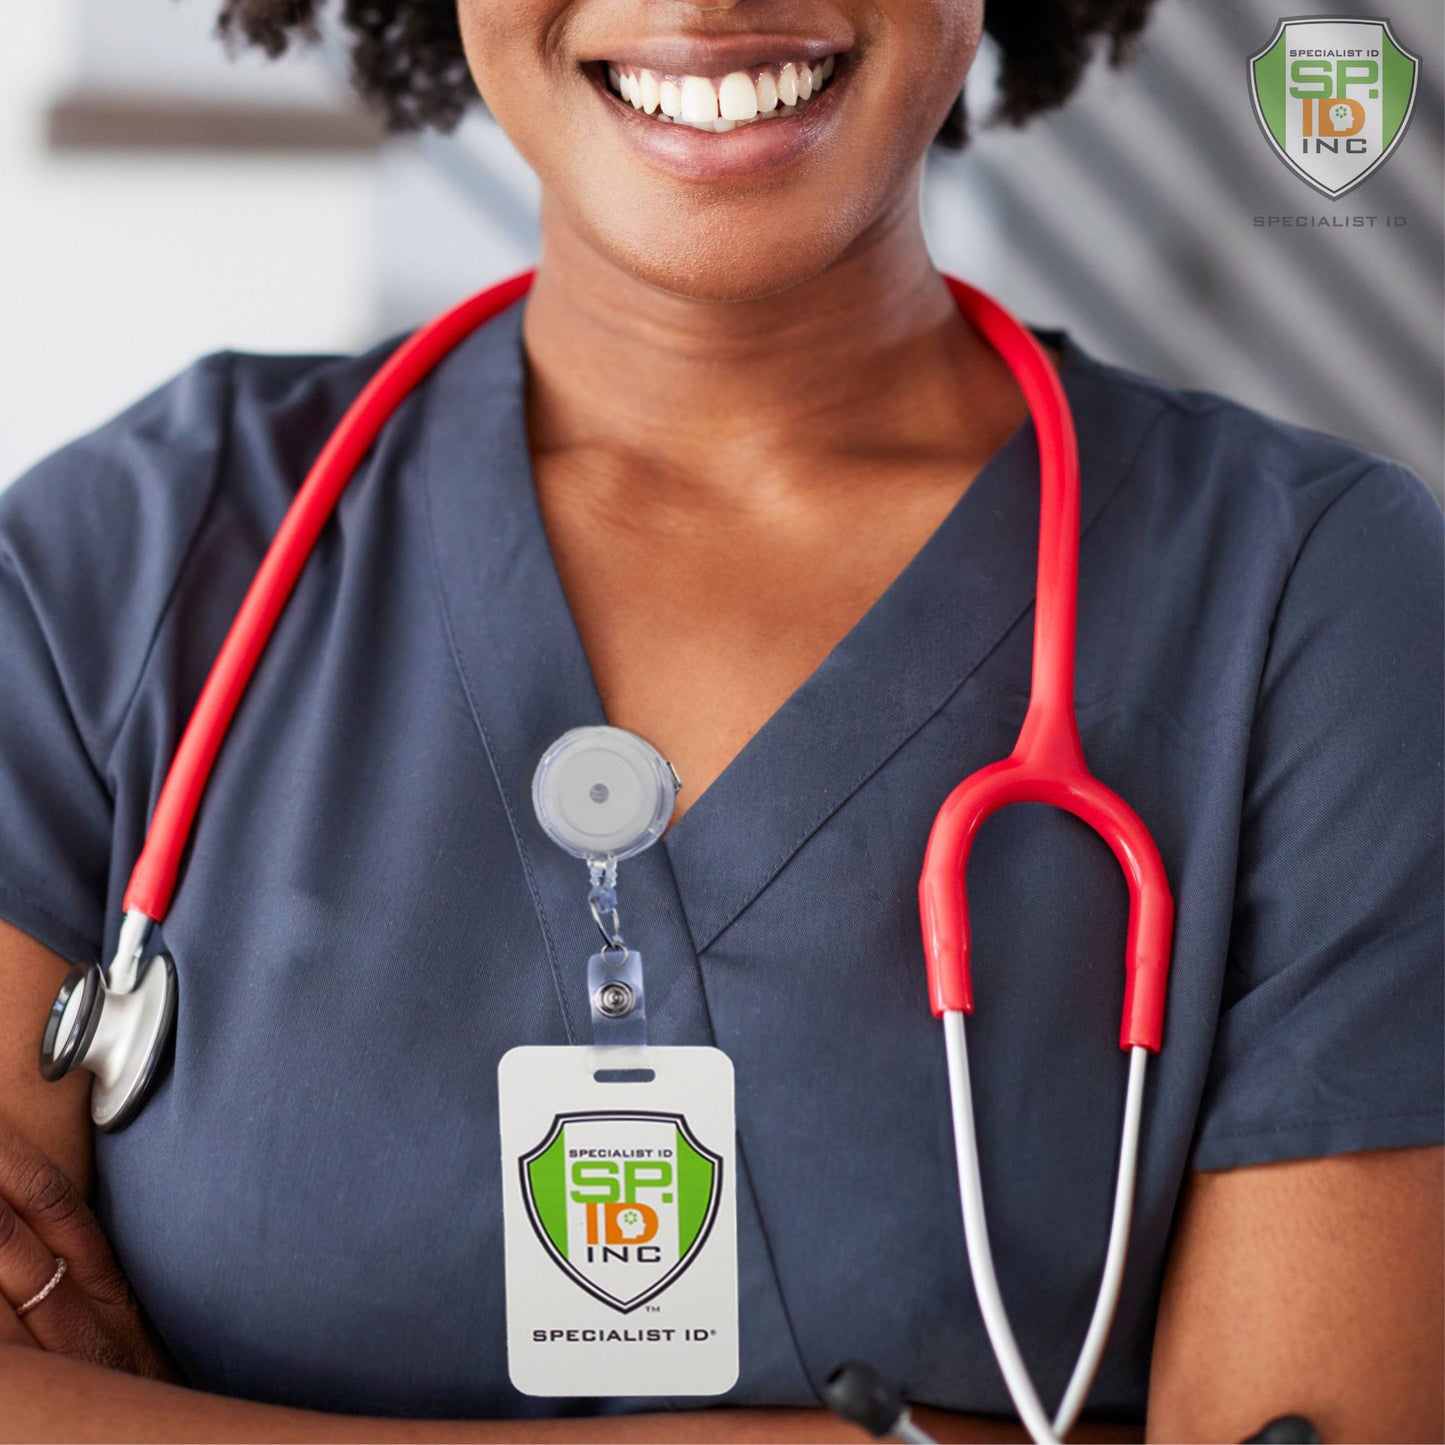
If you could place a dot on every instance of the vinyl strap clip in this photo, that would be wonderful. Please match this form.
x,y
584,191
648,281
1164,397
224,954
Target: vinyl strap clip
x,y
619,1005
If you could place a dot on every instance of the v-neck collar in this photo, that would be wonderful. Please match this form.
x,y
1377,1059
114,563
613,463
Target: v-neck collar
x,y
527,677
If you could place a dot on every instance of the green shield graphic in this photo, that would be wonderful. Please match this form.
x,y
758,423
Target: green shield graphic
x,y
1333,97
621,1202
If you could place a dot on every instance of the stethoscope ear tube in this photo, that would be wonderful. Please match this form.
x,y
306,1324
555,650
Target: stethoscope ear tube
x,y
980,1253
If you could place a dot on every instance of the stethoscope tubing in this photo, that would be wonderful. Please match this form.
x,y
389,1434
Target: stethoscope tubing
x,y
153,879
1047,765
980,1252
1111,1278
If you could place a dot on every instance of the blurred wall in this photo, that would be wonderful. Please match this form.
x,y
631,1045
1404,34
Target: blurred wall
x,y
1129,217
162,200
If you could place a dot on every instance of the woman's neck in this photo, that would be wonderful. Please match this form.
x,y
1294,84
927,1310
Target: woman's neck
x,y
870,358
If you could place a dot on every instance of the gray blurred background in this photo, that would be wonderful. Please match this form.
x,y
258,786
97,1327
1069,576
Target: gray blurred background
x,y
161,200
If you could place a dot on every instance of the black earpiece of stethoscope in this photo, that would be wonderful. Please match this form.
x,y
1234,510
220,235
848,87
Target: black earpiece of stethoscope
x,y
857,1393
115,1027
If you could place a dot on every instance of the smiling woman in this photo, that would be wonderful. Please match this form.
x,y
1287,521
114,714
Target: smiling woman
x,y
408,58
735,474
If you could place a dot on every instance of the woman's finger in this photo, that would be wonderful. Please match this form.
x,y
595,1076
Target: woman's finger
x,y
42,1194
25,1263
64,1320
12,1329
27,1267
90,1313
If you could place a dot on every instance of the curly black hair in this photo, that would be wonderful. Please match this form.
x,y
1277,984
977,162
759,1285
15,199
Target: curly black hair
x,y
407,59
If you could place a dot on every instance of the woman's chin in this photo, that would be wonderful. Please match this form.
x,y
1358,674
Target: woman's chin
x,y
721,276
718,254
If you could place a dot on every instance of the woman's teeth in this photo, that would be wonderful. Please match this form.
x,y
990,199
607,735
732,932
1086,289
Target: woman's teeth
x,y
719,105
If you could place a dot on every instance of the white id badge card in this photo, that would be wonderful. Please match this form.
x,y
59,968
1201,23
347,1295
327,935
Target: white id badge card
x,y
619,1206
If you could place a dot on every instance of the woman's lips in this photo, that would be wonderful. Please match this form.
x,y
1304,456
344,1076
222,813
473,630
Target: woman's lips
x,y
712,126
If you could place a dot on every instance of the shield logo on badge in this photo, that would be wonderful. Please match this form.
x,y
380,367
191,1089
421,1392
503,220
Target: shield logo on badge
x,y
622,1202
1333,98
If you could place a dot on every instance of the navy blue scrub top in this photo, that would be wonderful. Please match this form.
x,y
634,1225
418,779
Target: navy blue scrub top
x,y
310,1206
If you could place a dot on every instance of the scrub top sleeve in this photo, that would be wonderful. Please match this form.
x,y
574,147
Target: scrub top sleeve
x,y
1330,1031
92,541
54,809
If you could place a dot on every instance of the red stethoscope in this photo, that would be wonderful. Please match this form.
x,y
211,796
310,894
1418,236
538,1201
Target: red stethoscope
x,y
116,1024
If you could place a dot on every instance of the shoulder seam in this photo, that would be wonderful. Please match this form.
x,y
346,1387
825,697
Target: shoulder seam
x,y
223,452
1199,401
1371,466
1189,401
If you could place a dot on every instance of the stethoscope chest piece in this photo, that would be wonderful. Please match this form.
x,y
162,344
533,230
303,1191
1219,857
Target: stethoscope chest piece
x,y
118,1036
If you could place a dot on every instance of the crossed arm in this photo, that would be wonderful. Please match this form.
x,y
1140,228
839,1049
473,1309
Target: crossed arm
x,y
1309,1288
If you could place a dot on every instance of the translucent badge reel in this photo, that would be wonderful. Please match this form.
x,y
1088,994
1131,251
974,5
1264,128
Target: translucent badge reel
x,y
603,793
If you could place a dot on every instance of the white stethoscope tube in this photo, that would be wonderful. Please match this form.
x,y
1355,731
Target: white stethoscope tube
x,y
980,1255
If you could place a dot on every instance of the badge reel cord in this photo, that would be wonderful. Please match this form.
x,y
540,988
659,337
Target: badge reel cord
x,y
604,794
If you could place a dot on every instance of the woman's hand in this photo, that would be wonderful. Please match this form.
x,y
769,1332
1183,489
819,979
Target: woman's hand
x,y
91,1314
